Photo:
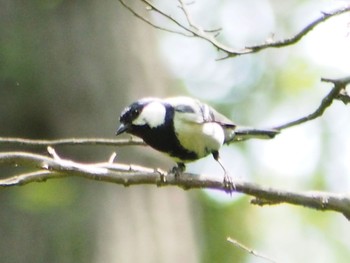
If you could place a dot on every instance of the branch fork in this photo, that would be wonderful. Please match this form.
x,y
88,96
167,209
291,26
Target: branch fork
x,y
191,29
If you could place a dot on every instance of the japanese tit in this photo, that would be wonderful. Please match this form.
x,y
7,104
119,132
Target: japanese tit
x,y
183,128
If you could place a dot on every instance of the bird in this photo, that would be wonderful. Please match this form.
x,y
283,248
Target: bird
x,y
185,129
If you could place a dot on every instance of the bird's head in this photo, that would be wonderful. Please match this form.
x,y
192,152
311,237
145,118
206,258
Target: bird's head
x,y
146,113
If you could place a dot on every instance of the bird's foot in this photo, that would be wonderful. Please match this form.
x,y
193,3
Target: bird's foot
x,y
178,170
229,185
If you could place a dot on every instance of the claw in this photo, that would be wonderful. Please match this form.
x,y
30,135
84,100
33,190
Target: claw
x,y
229,184
178,170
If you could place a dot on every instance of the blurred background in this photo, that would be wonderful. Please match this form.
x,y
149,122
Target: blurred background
x,y
68,68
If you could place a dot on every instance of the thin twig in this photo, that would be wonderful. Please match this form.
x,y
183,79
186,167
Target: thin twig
x,y
207,35
196,31
147,21
188,16
71,141
26,178
339,85
292,40
249,250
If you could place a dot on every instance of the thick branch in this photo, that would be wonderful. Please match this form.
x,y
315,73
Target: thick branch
x,y
127,175
191,29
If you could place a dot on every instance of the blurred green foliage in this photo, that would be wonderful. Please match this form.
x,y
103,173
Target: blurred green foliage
x,y
220,221
43,197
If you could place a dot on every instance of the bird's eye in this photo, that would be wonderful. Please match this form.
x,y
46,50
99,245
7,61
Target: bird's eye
x,y
135,112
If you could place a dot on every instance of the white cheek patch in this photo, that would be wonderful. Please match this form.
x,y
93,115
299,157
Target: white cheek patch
x,y
152,114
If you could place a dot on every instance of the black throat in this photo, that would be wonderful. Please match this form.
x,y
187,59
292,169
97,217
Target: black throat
x,y
163,137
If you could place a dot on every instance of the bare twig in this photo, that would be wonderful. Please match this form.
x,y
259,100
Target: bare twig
x,y
147,21
249,250
26,178
292,40
339,85
49,168
191,22
195,30
71,141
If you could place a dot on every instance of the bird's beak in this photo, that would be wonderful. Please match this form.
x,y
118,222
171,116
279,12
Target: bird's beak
x,y
122,128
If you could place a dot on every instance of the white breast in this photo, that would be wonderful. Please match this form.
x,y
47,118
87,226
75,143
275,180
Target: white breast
x,y
201,138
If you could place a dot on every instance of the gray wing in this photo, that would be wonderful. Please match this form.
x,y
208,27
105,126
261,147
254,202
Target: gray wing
x,y
213,116
193,110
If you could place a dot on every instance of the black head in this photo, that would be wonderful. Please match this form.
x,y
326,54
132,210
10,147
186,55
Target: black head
x,y
143,114
128,115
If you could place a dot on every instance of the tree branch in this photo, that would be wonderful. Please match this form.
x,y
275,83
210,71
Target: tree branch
x,y
127,175
335,93
147,21
249,250
292,40
49,167
71,141
194,30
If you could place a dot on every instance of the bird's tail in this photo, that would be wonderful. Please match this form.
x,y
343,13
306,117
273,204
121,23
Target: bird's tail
x,y
242,134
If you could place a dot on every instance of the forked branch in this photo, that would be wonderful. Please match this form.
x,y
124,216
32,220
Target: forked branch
x,y
192,29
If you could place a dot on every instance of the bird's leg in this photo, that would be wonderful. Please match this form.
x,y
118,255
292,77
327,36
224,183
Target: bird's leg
x,y
228,182
178,169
